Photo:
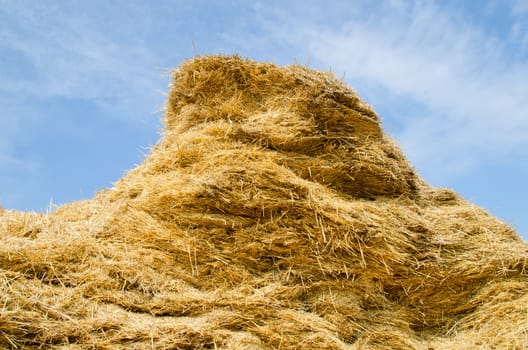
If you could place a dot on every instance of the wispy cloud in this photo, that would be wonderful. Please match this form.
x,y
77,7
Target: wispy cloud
x,y
466,90
65,52
519,7
60,62
519,28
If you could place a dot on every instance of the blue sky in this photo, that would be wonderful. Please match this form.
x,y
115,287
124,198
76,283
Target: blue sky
x,y
83,83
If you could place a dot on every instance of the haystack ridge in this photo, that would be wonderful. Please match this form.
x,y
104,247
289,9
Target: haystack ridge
x,y
273,214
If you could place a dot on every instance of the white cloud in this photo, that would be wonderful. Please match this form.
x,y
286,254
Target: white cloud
x,y
51,57
467,91
519,7
70,56
519,28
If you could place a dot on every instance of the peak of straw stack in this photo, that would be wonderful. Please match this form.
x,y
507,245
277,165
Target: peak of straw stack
x,y
273,214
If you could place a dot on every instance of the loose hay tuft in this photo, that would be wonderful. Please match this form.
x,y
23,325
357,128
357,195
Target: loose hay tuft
x,y
273,214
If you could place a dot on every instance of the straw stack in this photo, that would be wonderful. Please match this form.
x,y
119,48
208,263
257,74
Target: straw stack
x,y
273,214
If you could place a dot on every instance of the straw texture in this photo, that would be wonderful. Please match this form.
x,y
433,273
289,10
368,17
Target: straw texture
x,y
273,214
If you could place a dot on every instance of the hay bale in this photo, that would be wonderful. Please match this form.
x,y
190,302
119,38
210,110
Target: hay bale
x,y
274,213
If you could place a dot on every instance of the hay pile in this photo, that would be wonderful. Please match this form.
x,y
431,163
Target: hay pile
x,y
273,214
